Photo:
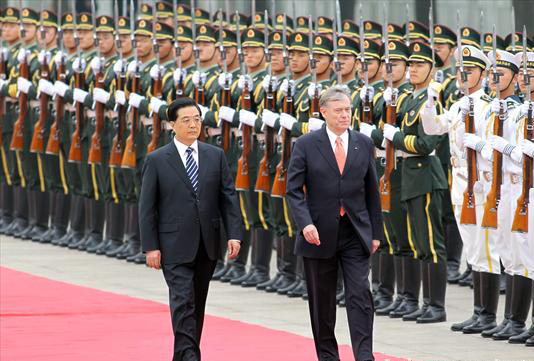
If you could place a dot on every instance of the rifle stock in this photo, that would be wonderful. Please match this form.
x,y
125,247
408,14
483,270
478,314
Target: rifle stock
x,y
242,181
225,101
75,152
468,214
200,98
280,179
263,181
489,220
38,143
385,180
95,151
116,153
59,103
156,121
129,158
17,141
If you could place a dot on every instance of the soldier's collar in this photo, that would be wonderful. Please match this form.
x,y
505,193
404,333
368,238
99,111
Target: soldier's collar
x,y
147,64
170,62
377,83
210,68
417,93
252,75
302,79
90,53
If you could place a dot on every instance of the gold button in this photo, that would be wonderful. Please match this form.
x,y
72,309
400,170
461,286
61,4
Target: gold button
x,y
419,165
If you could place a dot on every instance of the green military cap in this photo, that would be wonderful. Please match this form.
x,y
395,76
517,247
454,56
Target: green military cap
x,y
202,16
85,21
395,32
143,27
276,40
243,21
67,21
325,25
488,43
322,45
418,32
105,23
372,30
470,37
298,41
164,31
350,28
253,37
398,50
49,18
11,15
347,45
229,38
145,12
518,41
303,24
124,25
206,32
371,49
444,35
29,16
279,23
259,19
215,18
164,9
184,33
421,52
184,12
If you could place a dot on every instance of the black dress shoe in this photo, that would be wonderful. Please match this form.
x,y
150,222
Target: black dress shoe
x,y
220,271
453,275
255,279
467,281
56,234
75,243
63,239
522,337
37,233
115,251
237,281
406,307
262,286
95,247
130,250
45,237
513,328
282,282
138,258
416,314
18,225
433,315
383,302
298,291
530,342
235,271
384,311
285,290
458,327
24,233
490,332
342,302
75,237
483,323
111,246
92,241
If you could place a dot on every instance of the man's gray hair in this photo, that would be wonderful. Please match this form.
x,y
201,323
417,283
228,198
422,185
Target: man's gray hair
x,y
336,92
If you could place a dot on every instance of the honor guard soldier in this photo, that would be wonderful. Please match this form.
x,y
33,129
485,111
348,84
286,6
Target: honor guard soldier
x,y
347,49
418,33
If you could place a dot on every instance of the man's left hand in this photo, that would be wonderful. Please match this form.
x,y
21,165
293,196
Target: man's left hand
x,y
233,248
374,245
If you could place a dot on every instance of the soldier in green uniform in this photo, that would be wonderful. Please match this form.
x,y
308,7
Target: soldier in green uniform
x,y
347,49
184,15
419,33
423,199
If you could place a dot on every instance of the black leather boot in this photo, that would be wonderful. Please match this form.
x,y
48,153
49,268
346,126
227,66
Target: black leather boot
x,y
507,310
42,215
521,299
477,305
454,247
425,278
88,221
298,291
20,212
438,287
386,280
298,279
288,264
262,286
96,226
60,215
411,274
264,245
399,281
114,228
525,336
133,244
77,221
7,205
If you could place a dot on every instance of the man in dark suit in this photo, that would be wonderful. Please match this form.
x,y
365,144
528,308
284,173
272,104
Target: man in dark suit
x,y
332,190
187,188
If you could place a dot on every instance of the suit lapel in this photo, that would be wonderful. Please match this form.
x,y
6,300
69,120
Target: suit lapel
x,y
202,165
175,161
352,152
326,149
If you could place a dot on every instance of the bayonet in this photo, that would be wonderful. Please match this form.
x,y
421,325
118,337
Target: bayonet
x,y
239,50
363,60
266,42
312,60
132,28
227,8
481,29
118,42
196,51
155,44
513,30
337,29
76,37
21,24
222,49
253,13
95,37
407,40
496,75
526,75
389,68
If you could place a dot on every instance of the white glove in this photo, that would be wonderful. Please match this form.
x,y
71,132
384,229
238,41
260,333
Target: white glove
x,y
156,104
315,124
203,110
199,79
135,99
79,95
500,144
439,76
23,54
531,196
118,66
270,81
224,78
100,95
478,187
287,121
156,71
79,65
285,86
96,64
43,56
59,58
247,117
389,131
133,66
61,88
5,53
464,104
496,104
523,109
389,93
367,91
527,147
46,87
226,114
179,75
120,97
245,80
269,118
23,85
473,141
366,129
311,89
3,83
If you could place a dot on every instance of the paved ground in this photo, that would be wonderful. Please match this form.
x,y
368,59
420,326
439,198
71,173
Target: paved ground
x,y
393,337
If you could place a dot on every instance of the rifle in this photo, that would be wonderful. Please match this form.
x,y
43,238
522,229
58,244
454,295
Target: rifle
x,y
129,158
288,107
59,103
3,76
38,143
17,141
115,156
366,107
263,181
199,95
177,53
489,220
391,117
337,29
468,214
95,150
75,152
226,95
407,36
157,88
520,223
314,101
242,181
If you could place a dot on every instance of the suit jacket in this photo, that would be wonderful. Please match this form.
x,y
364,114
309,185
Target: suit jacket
x,y
172,218
313,166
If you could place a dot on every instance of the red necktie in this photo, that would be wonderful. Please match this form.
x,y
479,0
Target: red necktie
x,y
341,157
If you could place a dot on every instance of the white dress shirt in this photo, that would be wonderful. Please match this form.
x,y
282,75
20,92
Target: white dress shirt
x,y
182,150
344,140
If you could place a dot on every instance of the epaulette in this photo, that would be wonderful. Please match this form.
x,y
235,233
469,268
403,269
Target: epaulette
x,y
486,98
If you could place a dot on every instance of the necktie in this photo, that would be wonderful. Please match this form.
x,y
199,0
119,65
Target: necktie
x,y
191,168
341,157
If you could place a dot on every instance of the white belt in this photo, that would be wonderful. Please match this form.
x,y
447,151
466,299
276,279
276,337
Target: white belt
x,y
146,121
260,137
34,103
91,113
166,125
12,100
408,155
237,132
381,153
457,162
213,132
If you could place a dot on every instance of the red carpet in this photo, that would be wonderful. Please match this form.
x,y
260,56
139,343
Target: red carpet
x,y
46,320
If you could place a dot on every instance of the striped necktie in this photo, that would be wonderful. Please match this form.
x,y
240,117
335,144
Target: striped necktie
x,y
191,168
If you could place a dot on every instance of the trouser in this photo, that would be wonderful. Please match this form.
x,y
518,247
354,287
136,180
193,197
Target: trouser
x,y
522,259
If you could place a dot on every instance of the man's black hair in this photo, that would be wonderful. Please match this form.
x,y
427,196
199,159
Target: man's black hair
x,y
179,103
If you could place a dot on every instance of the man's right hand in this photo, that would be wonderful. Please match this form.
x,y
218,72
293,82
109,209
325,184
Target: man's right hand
x,y
311,234
153,259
